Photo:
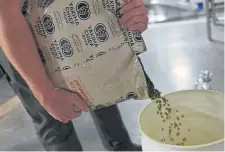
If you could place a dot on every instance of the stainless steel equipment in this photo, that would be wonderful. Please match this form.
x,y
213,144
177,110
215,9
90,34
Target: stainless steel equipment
x,y
215,17
170,10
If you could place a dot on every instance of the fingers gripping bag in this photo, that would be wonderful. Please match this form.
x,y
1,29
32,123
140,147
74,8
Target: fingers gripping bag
x,y
85,50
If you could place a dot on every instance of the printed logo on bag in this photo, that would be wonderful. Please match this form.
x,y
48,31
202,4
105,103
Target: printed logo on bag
x,y
61,49
39,28
137,36
83,10
48,24
101,32
131,95
25,8
66,47
70,15
112,6
92,36
128,37
118,14
44,26
89,37
44,3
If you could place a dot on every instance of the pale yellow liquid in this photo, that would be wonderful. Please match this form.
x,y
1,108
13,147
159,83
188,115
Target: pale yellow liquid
x,y
197,127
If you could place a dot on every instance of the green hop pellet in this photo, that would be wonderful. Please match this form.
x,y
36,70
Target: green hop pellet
x,y
169,110
175,125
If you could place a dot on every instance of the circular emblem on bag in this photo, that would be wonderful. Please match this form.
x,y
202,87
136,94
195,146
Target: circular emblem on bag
x,y
66,47
48,24
101,33
137,36
83,10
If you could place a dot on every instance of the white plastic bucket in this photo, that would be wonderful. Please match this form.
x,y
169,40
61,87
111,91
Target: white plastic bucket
x,y
203,101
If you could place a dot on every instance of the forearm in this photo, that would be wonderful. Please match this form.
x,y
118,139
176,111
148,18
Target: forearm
x,y
18,45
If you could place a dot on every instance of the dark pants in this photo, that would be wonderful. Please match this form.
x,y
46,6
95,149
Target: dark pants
x,y
57,136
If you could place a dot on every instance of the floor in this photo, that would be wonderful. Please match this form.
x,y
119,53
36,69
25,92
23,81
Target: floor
x,y
176,53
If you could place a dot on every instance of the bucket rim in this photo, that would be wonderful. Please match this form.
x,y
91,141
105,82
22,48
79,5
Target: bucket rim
x,y
177,146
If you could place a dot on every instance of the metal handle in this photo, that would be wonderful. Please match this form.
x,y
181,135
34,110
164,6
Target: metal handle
x,y
204,80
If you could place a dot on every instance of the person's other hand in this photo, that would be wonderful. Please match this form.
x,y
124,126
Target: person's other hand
x,y
134,16
61,104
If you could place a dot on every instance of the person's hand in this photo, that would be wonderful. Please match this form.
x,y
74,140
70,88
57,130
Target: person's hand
x,y
134,16
14,5
63,105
